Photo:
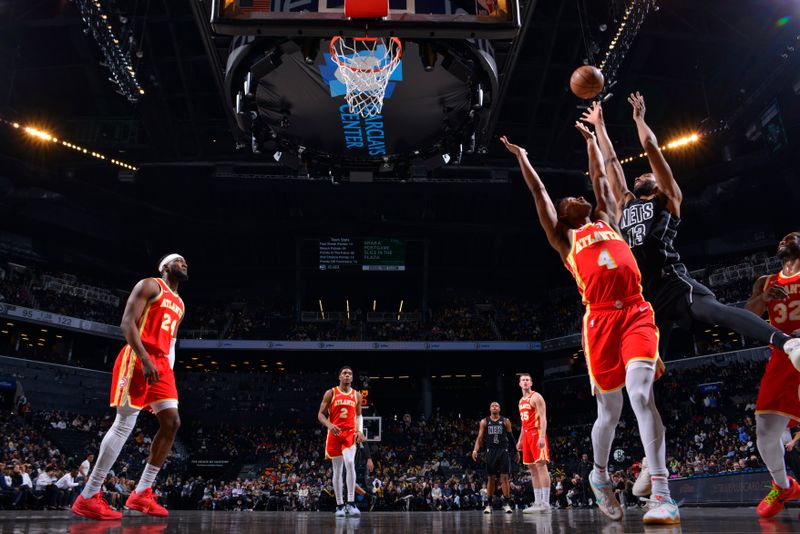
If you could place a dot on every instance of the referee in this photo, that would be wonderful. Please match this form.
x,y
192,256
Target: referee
x,y
499,444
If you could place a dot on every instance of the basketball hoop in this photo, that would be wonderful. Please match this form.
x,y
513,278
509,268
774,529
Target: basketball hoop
x,y
365,66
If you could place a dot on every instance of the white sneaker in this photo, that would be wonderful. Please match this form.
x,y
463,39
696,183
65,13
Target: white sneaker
x,y
340,511
663,512
488,509
352,509
533,509
507,508
642,487
792,349
545,508
606,500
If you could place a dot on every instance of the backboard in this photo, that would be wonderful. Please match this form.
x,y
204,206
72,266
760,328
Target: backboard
x,y
437,19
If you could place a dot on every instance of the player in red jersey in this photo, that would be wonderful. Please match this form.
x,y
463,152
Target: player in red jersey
x,y
533,444
142,378
778,404
620,338
340,412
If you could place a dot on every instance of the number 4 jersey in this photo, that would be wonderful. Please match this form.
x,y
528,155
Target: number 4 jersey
x,y
602,264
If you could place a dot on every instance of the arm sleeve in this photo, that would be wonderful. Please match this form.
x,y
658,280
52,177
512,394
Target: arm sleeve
x,y
360,423
512,443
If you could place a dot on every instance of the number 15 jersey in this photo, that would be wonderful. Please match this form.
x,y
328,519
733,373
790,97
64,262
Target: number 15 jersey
x,y
602,264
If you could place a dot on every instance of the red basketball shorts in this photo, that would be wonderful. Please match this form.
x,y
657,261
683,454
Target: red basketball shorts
x,y
531,453
616,334
779,391
128,387
335,445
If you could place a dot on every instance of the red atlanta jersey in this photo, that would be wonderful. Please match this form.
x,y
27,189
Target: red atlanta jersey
x,y
159,321
602,264
784,314
343,409
529,414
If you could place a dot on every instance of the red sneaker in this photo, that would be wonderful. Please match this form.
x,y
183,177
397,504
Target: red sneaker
x,y
145,502
95,507
773,503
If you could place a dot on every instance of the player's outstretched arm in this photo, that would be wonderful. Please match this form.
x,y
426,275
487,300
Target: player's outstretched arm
x,y
479,440
616,176
322,415
548,218
658,163
143,292
606,206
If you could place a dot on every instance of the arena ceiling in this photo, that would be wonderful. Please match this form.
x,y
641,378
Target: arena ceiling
x,y
701,65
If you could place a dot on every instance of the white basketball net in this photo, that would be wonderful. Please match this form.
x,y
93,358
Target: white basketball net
x,y
365,66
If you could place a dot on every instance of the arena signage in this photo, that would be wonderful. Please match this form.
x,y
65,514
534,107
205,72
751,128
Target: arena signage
x,y
62,321
243,344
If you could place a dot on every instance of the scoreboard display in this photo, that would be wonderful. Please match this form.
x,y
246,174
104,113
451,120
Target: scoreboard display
x,y
368,254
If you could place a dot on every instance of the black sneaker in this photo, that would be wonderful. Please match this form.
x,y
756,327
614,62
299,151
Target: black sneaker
x,y
372,500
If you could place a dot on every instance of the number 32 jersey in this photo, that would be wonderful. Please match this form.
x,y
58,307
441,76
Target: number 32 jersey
x,y
602,264
159,321
784,314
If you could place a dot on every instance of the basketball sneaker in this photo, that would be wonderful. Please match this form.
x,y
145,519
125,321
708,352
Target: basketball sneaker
x,y
604,498
664,511
792,349
772,504
340,511
507,508
351,509
95,507
146,503
533,509
642,487
488,509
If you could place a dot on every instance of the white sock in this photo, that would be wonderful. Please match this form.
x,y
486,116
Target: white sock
x,y
599,475
546,496
537,493
337,479
110,448
769,428
148,477
639,383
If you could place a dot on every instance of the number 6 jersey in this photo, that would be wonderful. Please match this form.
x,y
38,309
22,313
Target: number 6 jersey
x,y
602,264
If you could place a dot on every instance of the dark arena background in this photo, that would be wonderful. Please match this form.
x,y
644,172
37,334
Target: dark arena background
x,y
404,244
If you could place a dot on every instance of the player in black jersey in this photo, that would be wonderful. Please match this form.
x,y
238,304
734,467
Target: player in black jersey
x,y
499,441
649,218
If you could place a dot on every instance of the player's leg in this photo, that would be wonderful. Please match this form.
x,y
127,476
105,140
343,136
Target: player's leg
x,y
338,490
708,309
533,508
142,499
609,409
544,484
639,382
769,428
349,458
506,489
490,489
91,502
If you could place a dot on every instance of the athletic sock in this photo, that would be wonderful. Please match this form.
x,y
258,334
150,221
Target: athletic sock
x,y
599,475
537,493
546,496
660,486
148,477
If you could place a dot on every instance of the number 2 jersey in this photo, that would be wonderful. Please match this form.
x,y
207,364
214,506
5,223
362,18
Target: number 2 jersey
x,y
602,264
343,409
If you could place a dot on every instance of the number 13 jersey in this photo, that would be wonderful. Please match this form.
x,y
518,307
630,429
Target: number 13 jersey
x,y
602,264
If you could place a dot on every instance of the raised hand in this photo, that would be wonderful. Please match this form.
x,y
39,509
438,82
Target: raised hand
x,y
636,100
584,130
594,114
514,149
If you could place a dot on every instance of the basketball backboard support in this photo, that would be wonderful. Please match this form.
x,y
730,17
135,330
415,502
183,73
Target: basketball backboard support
x,y
432,19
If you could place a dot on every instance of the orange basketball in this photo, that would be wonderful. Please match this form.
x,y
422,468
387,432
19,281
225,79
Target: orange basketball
x,y
586,82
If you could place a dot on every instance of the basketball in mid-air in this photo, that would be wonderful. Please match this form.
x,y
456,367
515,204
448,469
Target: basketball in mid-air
x,y
586,82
